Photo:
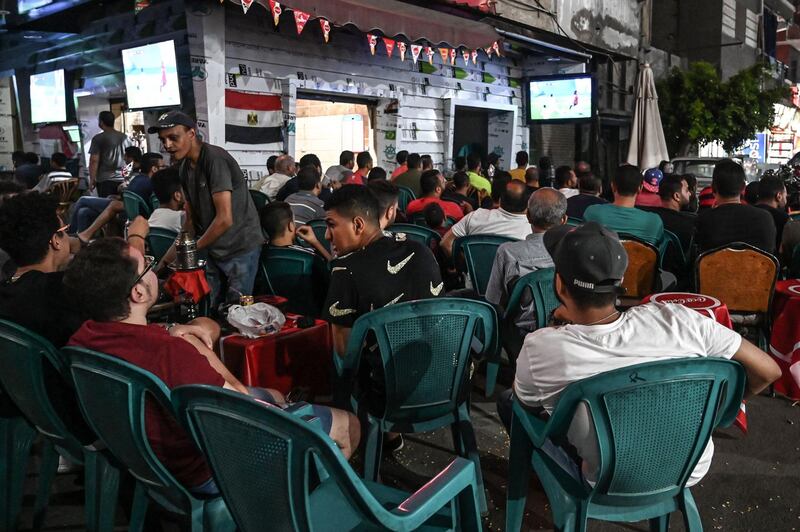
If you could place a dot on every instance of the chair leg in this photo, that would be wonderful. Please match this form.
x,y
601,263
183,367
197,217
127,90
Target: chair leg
x,y
46,473
691,517
492,368
457,442
373,452
469,517
138,508
660,523
519,474
470,448
102,488
16,438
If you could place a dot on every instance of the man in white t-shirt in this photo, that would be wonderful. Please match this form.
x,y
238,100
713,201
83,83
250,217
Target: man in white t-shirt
x,y
167,188
272,183
590,263
509,220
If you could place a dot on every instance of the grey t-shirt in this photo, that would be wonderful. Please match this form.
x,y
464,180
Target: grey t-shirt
x,y
110,146
216,171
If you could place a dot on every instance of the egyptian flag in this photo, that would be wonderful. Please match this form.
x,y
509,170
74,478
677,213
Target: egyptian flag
x,y
252,118
741,418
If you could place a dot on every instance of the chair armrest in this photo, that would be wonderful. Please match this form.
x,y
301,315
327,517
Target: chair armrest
x,y
536,428
439,491
305,412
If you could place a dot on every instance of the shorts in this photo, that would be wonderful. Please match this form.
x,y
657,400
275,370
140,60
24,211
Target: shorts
x,y
323,413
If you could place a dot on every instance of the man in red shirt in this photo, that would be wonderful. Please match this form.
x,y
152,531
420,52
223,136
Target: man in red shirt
x,y
364,163
114,284
431,184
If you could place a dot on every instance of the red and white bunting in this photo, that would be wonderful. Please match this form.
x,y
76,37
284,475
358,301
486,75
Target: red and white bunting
x,y
416,49
373,42
401,47
452,56
489,52
496,48
300,19
275,9
465,56
445,53
429,53
474,57
326,28
246,5
389,44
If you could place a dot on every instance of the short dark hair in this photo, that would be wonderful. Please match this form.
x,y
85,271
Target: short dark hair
x,y
376,173
428,181
587,299
770,186
401,156
271,162
473,161
58,158
426,160
355,200
590,183
134,153
149,160
99,279
751,192
434,215
460,179
671,184
363,159
628,180
499,184
165,183
309,159
27,223
31,157
563,175
308,177
728,179
413,160
106,118
385,192
460,163
9,188
275,217
515,197
17,157
522,158
346,157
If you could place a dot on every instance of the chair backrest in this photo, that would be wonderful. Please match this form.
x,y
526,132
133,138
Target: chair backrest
x,y
135,205
426,235
160,240
479,252
574,222
640,277
154,203
425,351
794,266
26,361
652,423
113,395
259,198
296,275
540,286
406,196
671,245
63,190
740,275
240,436
418,218
319,227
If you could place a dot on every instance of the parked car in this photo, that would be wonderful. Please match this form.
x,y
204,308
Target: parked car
x,y
703,168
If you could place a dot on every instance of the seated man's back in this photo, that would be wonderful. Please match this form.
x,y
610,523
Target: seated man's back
x,y
164,218
734,222
493,222
629,221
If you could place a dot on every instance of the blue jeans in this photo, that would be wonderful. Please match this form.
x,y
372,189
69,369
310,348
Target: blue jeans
x,y
236,275
86,211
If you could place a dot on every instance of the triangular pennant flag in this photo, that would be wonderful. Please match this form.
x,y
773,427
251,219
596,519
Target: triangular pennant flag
x,y
416,49
140,5
496,48
489,52
429,53
300,19
452,56
246,5
474,56
465,55
445,53
275,8
460,73
389,44
401,47
373,42
326,28
488,78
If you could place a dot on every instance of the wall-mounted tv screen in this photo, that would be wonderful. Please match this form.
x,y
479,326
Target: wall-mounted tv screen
x,y
560,98
23,6
151,76
48,97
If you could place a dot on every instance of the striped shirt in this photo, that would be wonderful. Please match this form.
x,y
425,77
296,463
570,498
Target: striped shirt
x,y
306,207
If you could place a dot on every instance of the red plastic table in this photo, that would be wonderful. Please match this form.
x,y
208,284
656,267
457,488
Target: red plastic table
x,y
785,337
292,358
707,305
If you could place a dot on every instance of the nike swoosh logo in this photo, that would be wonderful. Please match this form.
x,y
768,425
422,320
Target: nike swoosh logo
x,y
337,268
339,312
437,290
395,300
394,270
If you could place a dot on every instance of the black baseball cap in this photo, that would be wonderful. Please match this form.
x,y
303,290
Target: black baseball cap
x,y
172,119
588,257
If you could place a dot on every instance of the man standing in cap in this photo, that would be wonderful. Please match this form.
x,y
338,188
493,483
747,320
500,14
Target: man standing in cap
x,y
590,263
218,205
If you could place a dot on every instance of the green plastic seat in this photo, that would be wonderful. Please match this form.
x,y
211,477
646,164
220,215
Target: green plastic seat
x,y
267,473
406,196
479,252
319,227
573,221
135,205
299,276
424,349
259,199
16,438
652,422
671,245
112,397
159,240
30,368
154,203
538,288
794,266
419,233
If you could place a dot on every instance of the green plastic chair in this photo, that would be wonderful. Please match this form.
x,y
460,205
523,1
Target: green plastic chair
x,y
671,242
425,235
479,252
299,276
154,203
573,221
259,199
319,227
406,196
159,241
794,266
652,422
424,349
112,397
26,360
135,205
16,439
539,285
291,453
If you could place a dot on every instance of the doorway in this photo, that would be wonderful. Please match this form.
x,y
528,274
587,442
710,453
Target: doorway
x,y
482,128
470,132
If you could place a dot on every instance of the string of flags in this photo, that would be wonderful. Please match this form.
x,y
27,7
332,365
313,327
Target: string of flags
x,y
447,54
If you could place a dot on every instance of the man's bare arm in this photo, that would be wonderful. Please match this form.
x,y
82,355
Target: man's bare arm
x,y
760,368
231,382
94,164
223,220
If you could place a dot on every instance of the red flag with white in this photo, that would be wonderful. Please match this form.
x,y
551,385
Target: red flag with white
x,y
253,118
465,55
489,52
416,49
429,53
246,5
275,9
496,48
474,56
401,48
373,42
300,19
326,28
453,56
445,54
389,44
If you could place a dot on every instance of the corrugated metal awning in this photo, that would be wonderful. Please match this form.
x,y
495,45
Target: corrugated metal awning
x,y
487,6
394,19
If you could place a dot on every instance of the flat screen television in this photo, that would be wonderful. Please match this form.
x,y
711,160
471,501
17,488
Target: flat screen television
x,y
24,6
560,98
48,97
151,76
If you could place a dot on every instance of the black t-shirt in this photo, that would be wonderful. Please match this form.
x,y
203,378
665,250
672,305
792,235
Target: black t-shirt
x,y
577,204
681,223
780,218
36,301
390,270
734,222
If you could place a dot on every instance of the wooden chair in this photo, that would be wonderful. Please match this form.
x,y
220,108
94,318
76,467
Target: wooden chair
x,y
642,273
64,191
